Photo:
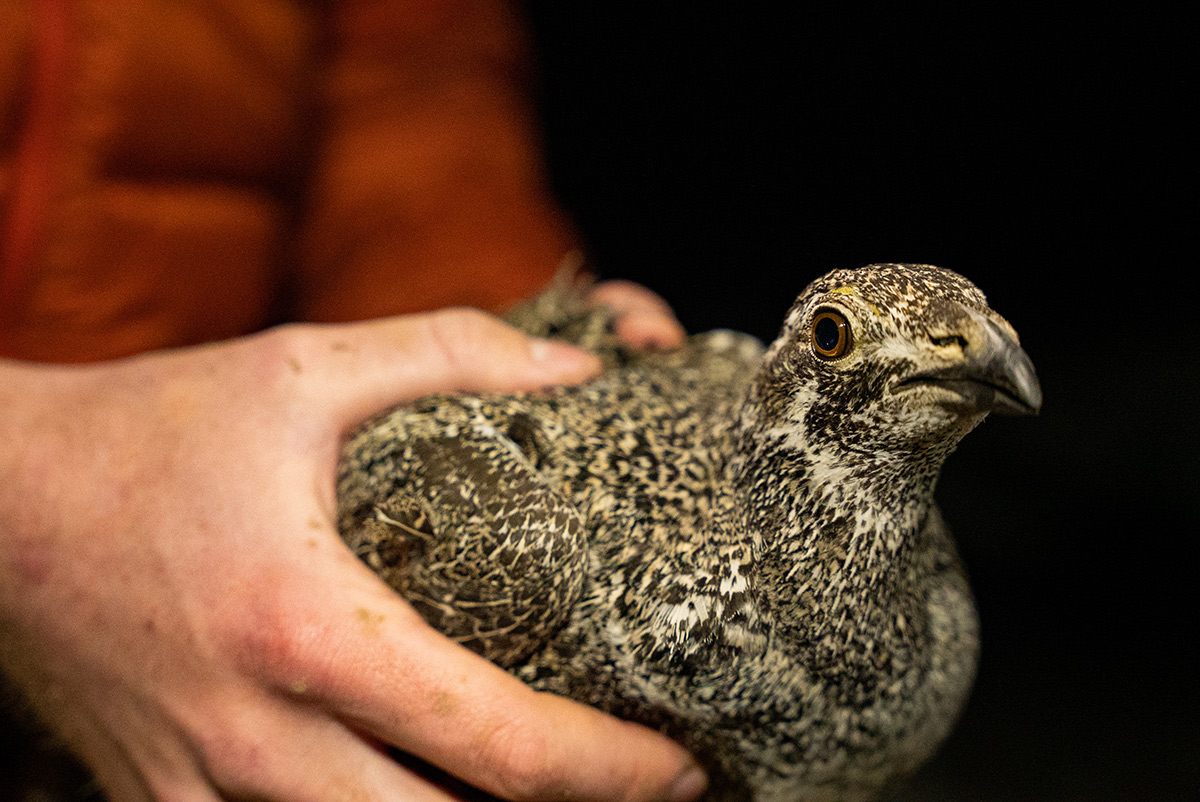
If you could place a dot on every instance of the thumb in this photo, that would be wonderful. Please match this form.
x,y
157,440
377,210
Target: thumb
x,y
361,368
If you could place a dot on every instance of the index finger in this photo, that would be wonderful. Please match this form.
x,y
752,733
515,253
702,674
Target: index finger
x,y
356,369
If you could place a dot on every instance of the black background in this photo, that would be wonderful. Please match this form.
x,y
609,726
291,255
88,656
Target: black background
x,y
726,157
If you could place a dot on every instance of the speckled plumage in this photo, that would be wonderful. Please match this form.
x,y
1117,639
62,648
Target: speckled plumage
x,y
733,544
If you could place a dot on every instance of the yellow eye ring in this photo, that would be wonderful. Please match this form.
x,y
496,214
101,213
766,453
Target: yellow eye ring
x,y
830,334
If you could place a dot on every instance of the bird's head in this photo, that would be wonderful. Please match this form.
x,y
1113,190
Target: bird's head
x,y
893,358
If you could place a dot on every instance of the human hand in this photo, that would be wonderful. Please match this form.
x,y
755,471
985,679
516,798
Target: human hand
x,y
177,604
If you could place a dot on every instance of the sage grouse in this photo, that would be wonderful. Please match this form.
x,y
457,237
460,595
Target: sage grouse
x,y
735,545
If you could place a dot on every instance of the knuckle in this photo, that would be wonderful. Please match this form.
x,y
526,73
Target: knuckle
x,y
459,335
227,750
462,326
289,365
233,751
273,640
309,648
464,317
517,754
288,353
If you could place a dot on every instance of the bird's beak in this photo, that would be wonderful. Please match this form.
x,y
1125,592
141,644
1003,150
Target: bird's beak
x,y
995,374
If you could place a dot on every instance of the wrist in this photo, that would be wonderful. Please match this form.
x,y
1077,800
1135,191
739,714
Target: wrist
x,y
35,409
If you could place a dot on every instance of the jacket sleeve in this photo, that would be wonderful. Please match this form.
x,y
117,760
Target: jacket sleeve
x,y
428,187
175,172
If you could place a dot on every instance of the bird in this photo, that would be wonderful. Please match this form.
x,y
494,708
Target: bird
x,y
736,544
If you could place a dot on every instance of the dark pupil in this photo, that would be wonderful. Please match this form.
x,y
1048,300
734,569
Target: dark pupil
x,y
827,334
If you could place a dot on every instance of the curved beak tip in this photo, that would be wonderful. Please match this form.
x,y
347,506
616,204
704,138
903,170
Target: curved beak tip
x,y
1001,373
1027,393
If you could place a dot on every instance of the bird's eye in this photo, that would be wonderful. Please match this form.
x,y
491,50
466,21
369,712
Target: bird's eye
x,y
830,334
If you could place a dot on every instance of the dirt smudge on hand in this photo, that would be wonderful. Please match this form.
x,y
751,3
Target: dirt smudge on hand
x,y
370,620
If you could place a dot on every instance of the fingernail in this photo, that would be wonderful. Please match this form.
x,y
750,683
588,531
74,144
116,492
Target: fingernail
x,y
688,784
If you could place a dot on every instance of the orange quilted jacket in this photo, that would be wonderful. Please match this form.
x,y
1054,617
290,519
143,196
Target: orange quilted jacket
x,y
180,171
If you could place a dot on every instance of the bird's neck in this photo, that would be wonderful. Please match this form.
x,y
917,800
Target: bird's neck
x,y
836,571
